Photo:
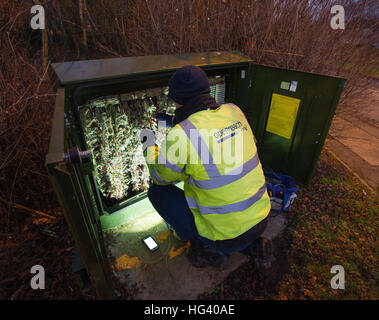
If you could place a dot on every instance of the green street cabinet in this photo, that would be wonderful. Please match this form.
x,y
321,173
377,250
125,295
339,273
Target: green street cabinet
x,y
290,113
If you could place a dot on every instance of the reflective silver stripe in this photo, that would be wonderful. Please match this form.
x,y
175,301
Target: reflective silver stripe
x,y
200,146
191,202
234,207
156,177
168,164
228,178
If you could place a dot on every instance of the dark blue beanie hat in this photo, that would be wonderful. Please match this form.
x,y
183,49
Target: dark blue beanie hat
x,y
187,82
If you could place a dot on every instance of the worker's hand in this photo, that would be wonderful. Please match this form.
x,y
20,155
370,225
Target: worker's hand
x,y
164,117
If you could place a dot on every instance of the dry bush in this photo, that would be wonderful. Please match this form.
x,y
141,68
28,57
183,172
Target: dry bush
x,y
294,34
26,99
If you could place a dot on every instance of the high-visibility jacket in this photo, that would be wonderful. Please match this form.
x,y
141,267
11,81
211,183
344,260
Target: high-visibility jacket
x,y
213,151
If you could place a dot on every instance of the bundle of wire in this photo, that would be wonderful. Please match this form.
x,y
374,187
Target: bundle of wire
x,y
111,128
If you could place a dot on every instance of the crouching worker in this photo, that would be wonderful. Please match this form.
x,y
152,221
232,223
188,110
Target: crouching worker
x,y
224,205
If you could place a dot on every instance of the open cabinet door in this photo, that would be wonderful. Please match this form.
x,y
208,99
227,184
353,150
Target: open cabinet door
x,y
69,177
290,113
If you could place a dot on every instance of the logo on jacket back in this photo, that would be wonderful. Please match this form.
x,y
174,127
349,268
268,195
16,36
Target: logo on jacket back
x,y
229,131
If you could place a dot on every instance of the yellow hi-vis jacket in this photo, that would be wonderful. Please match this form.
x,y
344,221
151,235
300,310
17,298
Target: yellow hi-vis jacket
x,y
213,151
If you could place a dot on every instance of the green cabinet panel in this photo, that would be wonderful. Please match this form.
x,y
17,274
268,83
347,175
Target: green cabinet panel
x,y
318,95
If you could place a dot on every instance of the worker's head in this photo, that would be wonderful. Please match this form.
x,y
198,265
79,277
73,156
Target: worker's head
x,y
186,83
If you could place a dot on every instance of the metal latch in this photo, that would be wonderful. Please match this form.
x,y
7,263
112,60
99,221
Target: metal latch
x,y
73,155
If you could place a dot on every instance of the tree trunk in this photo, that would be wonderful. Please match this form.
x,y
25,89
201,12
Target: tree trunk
x,y
82,9
45,50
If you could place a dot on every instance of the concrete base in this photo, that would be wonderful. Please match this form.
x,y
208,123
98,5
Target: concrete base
x,y
268,252
263,250
177,279
276,224
165,274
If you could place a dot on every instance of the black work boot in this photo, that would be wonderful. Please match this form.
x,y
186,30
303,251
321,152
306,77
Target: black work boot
x,y
204,256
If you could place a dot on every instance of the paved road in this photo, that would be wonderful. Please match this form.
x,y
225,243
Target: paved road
x,y
354,135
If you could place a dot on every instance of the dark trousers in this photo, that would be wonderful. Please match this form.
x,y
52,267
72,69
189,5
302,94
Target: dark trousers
x,y
170,202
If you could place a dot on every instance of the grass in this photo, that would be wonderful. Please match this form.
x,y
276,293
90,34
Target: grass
x,y
373,73
335,223
327,181
371,69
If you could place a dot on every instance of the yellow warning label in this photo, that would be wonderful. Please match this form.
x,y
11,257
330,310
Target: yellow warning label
x,y
282,116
